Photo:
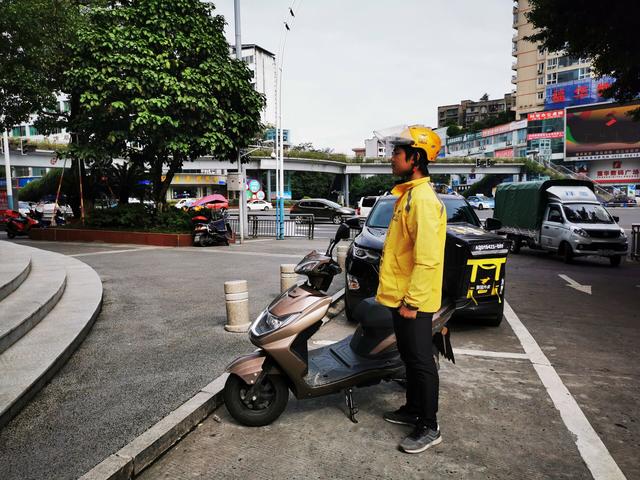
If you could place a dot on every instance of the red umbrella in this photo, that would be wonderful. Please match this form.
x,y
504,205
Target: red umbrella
x,y
216,197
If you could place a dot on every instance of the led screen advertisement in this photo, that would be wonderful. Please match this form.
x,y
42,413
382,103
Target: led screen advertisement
x,y
602,132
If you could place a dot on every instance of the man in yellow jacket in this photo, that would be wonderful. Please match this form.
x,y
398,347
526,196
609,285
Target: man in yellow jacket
x,y
411,279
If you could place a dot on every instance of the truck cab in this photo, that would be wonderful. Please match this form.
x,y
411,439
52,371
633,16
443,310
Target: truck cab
x,y
570,220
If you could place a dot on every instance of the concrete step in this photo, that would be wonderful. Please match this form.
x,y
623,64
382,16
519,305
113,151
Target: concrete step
x,y
32,361
36,296
15,264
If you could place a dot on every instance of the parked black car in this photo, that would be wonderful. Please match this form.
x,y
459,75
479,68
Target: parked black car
x,y
474,270
322,209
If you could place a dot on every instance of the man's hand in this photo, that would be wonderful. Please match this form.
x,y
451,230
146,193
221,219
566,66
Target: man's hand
x,y
407,312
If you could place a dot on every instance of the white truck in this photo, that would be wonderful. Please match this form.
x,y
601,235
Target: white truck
x,y
562,216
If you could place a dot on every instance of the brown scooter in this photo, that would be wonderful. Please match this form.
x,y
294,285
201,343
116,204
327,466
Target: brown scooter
x,y
257,389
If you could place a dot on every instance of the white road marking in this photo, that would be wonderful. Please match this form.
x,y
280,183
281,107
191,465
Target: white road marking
x,y
573,284
231,252
107,252
486,353
594,453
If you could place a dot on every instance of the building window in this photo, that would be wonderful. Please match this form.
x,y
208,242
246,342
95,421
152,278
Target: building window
x,y
540,95
584,73
33,130
66,106
552,78
540,80
248,59
541,67
20,131
552,63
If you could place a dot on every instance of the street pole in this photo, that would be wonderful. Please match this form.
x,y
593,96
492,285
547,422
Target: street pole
x,y
281,171
242,203
7,169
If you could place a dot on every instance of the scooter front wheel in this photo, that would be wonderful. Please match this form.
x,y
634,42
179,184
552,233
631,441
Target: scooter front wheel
x,y
260,406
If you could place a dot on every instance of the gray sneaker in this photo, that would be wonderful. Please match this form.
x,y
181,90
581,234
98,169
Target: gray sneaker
x,y
420,439
401,417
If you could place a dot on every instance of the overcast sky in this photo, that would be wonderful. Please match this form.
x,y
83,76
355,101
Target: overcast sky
x,y
355,66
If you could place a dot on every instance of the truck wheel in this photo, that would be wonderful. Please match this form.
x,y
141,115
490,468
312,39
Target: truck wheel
x,y
515,244
265,406
567,253
615,261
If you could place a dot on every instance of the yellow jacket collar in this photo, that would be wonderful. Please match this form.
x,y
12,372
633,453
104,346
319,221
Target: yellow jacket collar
x,y
403,187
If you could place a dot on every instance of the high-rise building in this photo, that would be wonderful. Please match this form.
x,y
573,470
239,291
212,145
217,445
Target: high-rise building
x,y
538,71
263,65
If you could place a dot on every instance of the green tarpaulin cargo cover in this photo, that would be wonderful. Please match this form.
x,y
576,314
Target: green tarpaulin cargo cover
x,y
522,205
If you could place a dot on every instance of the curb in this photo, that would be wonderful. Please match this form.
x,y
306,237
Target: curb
x,y
134,457
142,451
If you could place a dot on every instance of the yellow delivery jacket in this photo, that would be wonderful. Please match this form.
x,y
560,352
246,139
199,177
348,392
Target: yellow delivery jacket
x,y
413,256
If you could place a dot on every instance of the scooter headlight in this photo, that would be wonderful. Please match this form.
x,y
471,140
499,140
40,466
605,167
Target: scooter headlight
x,y
267,323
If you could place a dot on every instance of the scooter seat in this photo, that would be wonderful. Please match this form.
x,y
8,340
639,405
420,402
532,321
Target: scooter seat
x,y
371,314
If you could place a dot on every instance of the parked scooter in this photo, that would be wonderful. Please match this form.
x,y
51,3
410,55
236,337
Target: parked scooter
x,y
257,389
20,224
211,231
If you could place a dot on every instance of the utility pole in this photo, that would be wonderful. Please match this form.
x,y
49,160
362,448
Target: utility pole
x,y
242,203
7,169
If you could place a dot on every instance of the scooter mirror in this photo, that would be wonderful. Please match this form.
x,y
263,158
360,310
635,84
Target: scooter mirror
x,y
492,224
353,222
342,233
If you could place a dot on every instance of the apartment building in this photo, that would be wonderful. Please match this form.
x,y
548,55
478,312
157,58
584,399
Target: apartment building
x,y
538,71
468,112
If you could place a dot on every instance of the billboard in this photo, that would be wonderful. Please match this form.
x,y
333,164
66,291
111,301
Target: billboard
x,y
546,115
576,92
602,132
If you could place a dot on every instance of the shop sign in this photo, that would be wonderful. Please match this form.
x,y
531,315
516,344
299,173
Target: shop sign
x,y
504,153
617,173
507,127
548,115
537,136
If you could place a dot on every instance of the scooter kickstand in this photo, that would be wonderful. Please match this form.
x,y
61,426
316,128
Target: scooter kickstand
x,y
351,405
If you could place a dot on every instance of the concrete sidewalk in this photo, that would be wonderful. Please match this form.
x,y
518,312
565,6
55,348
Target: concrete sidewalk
x,y
496,418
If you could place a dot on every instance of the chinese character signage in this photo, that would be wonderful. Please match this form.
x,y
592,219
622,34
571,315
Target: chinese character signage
x,y
507,127
618,172
504,153
538,136
576,92
603,132
548,115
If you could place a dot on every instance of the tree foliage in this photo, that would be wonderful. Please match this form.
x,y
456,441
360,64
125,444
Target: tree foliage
x,y
606,34
155,84
370,186
311,184
35,38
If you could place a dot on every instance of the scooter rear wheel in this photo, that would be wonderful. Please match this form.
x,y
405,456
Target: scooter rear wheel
x,y
265,406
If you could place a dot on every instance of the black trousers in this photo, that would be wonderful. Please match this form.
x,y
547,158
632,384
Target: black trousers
x,y
416,351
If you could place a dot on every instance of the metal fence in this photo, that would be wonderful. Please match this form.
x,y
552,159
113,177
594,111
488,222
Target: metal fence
x,y
301,226
635,241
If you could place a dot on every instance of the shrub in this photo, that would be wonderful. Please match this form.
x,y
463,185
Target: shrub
x,y
140,217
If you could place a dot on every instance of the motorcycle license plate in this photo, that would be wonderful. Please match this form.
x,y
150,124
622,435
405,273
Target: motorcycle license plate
x,y
196,238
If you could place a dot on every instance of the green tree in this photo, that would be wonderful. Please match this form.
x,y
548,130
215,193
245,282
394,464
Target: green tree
x,y
311,184
36,37
375,185
156,85
605,34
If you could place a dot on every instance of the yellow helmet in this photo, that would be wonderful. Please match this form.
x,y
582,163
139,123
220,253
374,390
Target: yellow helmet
x,y
416,136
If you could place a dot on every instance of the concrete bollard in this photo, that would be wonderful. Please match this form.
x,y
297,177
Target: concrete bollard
x,y
342,256
236,297
288,278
